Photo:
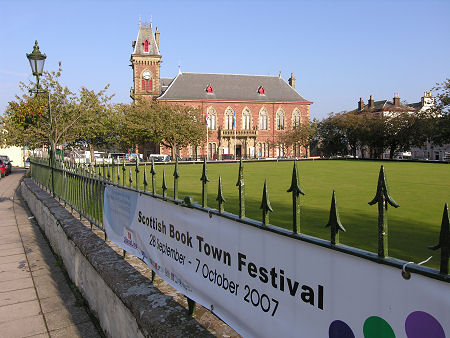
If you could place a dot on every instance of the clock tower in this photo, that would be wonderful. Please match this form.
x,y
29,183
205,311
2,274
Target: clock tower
x,y
145,61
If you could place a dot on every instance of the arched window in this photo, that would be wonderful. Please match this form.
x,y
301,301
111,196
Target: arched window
x,y
228,118
211,118
263,120
280,150
246,119
146,46
263,149
295,119
212,151
280,120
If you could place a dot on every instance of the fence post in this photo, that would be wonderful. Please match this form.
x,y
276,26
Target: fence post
x,y
265,205
153,172
241,187
164,185
296,191
145,177
334,221
137,173
176,175
383,198
220,197
205,181
444,242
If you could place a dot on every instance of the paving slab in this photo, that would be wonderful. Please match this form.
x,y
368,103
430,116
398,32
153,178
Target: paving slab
x,y
16,328
19,310
17,296
35,296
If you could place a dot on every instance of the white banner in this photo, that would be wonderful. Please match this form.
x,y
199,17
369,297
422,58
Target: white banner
x,y
266,285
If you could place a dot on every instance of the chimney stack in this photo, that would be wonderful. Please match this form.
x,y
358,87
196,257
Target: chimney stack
x,y
371,102
157,37
396,100
292,80
361,104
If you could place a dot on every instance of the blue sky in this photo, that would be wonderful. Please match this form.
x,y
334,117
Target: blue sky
x,y
337,50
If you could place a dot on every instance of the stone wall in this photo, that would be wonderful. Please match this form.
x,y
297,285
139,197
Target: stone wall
x,y
125,302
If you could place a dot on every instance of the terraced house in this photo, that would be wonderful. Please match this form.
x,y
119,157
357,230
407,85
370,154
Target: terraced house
x,y
245,114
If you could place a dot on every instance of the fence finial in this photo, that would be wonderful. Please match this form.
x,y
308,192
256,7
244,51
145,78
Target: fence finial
x,y
118,171
220,197
296,191
164,185
334,221
113,170
204,180
130,179
176,175
153,172
265,205
241,187
383,198
145,177
124,168
444,242
136,170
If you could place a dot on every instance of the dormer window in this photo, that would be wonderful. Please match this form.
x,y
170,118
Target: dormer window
x,y
209,89
261,90
146,46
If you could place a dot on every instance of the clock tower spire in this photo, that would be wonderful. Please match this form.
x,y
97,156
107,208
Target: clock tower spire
x,y
145,61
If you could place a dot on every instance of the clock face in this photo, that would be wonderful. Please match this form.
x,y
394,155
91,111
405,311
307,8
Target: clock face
x,y
146,75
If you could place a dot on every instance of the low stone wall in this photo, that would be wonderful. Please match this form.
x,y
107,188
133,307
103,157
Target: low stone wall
x,y
125,302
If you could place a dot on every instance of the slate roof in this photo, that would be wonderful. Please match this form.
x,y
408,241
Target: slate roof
x,y
164,83
230,87
416,105
384,105
145,32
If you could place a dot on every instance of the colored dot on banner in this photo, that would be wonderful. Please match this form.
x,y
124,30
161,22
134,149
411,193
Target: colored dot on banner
x,y
420,324
339,329
376,327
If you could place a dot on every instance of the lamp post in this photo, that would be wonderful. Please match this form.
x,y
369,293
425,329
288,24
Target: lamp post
x,y
37,60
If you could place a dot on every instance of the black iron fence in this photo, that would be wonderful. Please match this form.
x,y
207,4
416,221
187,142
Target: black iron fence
x,y
81,187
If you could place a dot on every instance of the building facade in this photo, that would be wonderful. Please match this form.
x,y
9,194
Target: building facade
x,y
245,114
387,108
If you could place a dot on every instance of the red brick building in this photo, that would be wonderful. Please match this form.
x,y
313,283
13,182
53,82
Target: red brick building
x,y
245,113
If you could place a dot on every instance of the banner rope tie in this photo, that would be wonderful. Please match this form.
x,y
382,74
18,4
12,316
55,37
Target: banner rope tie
x,y
406,274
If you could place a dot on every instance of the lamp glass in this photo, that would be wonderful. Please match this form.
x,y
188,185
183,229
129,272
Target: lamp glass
x,y
37,60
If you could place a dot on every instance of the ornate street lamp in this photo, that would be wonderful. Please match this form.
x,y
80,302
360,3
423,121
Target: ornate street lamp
x,y
37,60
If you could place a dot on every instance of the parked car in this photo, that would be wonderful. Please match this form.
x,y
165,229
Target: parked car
x,y
7,163
159,158
227,157
2,168
27,163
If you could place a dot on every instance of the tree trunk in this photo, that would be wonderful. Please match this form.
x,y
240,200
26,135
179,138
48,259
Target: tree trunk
x,y
91,151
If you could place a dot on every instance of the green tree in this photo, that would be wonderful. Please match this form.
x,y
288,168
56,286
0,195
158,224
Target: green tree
x,y
332,140
298,135
27,120
97,124
440,115
174,126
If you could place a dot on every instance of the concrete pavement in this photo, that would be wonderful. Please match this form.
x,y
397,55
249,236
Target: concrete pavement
x,y
36,299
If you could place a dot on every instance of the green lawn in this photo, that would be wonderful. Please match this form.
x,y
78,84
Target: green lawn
x,y
421,189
